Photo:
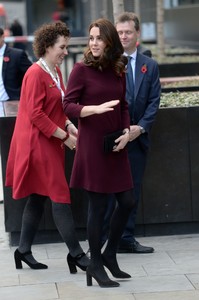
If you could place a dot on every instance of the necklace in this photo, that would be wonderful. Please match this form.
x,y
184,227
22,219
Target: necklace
x,y
54,77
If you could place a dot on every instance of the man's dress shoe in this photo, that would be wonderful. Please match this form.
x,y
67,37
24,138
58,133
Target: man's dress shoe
x,y
134,247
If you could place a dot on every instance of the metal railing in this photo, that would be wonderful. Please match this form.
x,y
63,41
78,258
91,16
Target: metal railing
x,y
76,47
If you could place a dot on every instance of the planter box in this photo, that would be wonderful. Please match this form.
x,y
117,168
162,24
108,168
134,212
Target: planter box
x,y
170,189
169,203
179,69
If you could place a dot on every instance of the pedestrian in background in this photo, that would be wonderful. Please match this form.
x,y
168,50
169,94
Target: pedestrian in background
x,y
13,66
17,30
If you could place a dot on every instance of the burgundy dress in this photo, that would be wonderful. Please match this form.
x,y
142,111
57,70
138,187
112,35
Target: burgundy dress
x,y
93,169
36,159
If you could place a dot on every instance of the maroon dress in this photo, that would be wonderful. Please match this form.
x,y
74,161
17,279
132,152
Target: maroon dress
x,y
36,158
93,169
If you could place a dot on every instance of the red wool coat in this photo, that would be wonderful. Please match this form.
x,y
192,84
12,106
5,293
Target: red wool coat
x,y
36,159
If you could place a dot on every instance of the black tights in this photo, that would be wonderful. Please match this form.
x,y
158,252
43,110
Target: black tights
x,y
62,217
97,209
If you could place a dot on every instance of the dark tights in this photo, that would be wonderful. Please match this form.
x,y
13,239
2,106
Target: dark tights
x,y
97,208
62,217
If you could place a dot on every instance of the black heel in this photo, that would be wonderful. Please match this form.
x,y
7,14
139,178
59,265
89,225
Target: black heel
x,y
103,282
88,279
73,262
18,263
19,257
114,268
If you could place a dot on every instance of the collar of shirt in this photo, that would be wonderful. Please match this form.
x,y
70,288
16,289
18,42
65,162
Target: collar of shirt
x,y
133,55
2,49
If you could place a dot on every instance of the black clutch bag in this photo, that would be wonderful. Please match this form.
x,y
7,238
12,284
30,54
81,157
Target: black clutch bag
x,y
109,140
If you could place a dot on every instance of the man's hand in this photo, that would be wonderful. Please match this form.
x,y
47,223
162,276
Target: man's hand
x,y
134,132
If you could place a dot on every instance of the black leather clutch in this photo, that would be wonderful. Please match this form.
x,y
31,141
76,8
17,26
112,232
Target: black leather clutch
x,y
109,140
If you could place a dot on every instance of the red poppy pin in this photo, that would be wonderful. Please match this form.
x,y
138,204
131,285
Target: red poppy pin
x,y
144,69
6,58
52,84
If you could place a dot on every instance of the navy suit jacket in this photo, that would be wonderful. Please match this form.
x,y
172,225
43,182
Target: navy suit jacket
x,y
15,65
146,97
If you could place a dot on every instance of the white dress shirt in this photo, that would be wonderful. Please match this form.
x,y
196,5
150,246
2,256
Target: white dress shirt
x,y
133,61
3,94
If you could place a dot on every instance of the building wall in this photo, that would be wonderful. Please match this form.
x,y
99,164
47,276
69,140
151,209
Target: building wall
x,y
180,28
181,25
16,10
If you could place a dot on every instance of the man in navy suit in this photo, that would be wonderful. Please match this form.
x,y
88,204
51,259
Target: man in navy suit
x,y
13,66
143,107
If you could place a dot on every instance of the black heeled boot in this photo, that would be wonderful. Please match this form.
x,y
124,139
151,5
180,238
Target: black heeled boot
x,y
19,257
103,282
73,262
114,268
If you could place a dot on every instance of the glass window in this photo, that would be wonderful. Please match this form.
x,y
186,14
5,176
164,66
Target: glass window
x,y
188,2
175,3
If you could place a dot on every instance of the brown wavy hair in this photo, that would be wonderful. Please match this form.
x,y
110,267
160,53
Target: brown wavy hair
x,y
128,16
46,36
113,52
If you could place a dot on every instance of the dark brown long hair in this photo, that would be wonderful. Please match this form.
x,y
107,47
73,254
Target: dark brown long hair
x,y
113,52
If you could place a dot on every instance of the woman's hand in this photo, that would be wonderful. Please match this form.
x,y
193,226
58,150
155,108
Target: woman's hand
x,y
121,141
71,128
89,110
107,106
71,142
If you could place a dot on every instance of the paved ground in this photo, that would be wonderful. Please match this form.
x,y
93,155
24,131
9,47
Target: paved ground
x,y
171,273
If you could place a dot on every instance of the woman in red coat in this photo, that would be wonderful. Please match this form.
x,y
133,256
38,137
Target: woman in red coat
x,y
35,166
94,85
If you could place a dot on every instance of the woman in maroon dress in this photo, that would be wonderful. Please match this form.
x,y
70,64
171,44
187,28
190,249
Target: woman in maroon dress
x,y
35,166
96,95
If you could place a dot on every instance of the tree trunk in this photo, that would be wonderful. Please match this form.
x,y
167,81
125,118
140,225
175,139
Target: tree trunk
x,y
160,27
137,8
118,8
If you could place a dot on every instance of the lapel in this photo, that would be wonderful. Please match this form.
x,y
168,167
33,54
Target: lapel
x,y
5,64
139,75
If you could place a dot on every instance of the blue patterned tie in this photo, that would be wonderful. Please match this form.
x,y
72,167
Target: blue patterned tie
x,y
129,82
130,89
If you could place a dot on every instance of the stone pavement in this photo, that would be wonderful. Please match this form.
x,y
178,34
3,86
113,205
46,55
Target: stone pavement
x,y
171,273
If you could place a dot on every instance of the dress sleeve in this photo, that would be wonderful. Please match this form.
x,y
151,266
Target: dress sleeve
x,y
74,89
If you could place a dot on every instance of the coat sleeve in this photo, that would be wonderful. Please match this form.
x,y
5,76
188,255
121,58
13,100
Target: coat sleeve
x,y
75,86
124,106
34,89
152,99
